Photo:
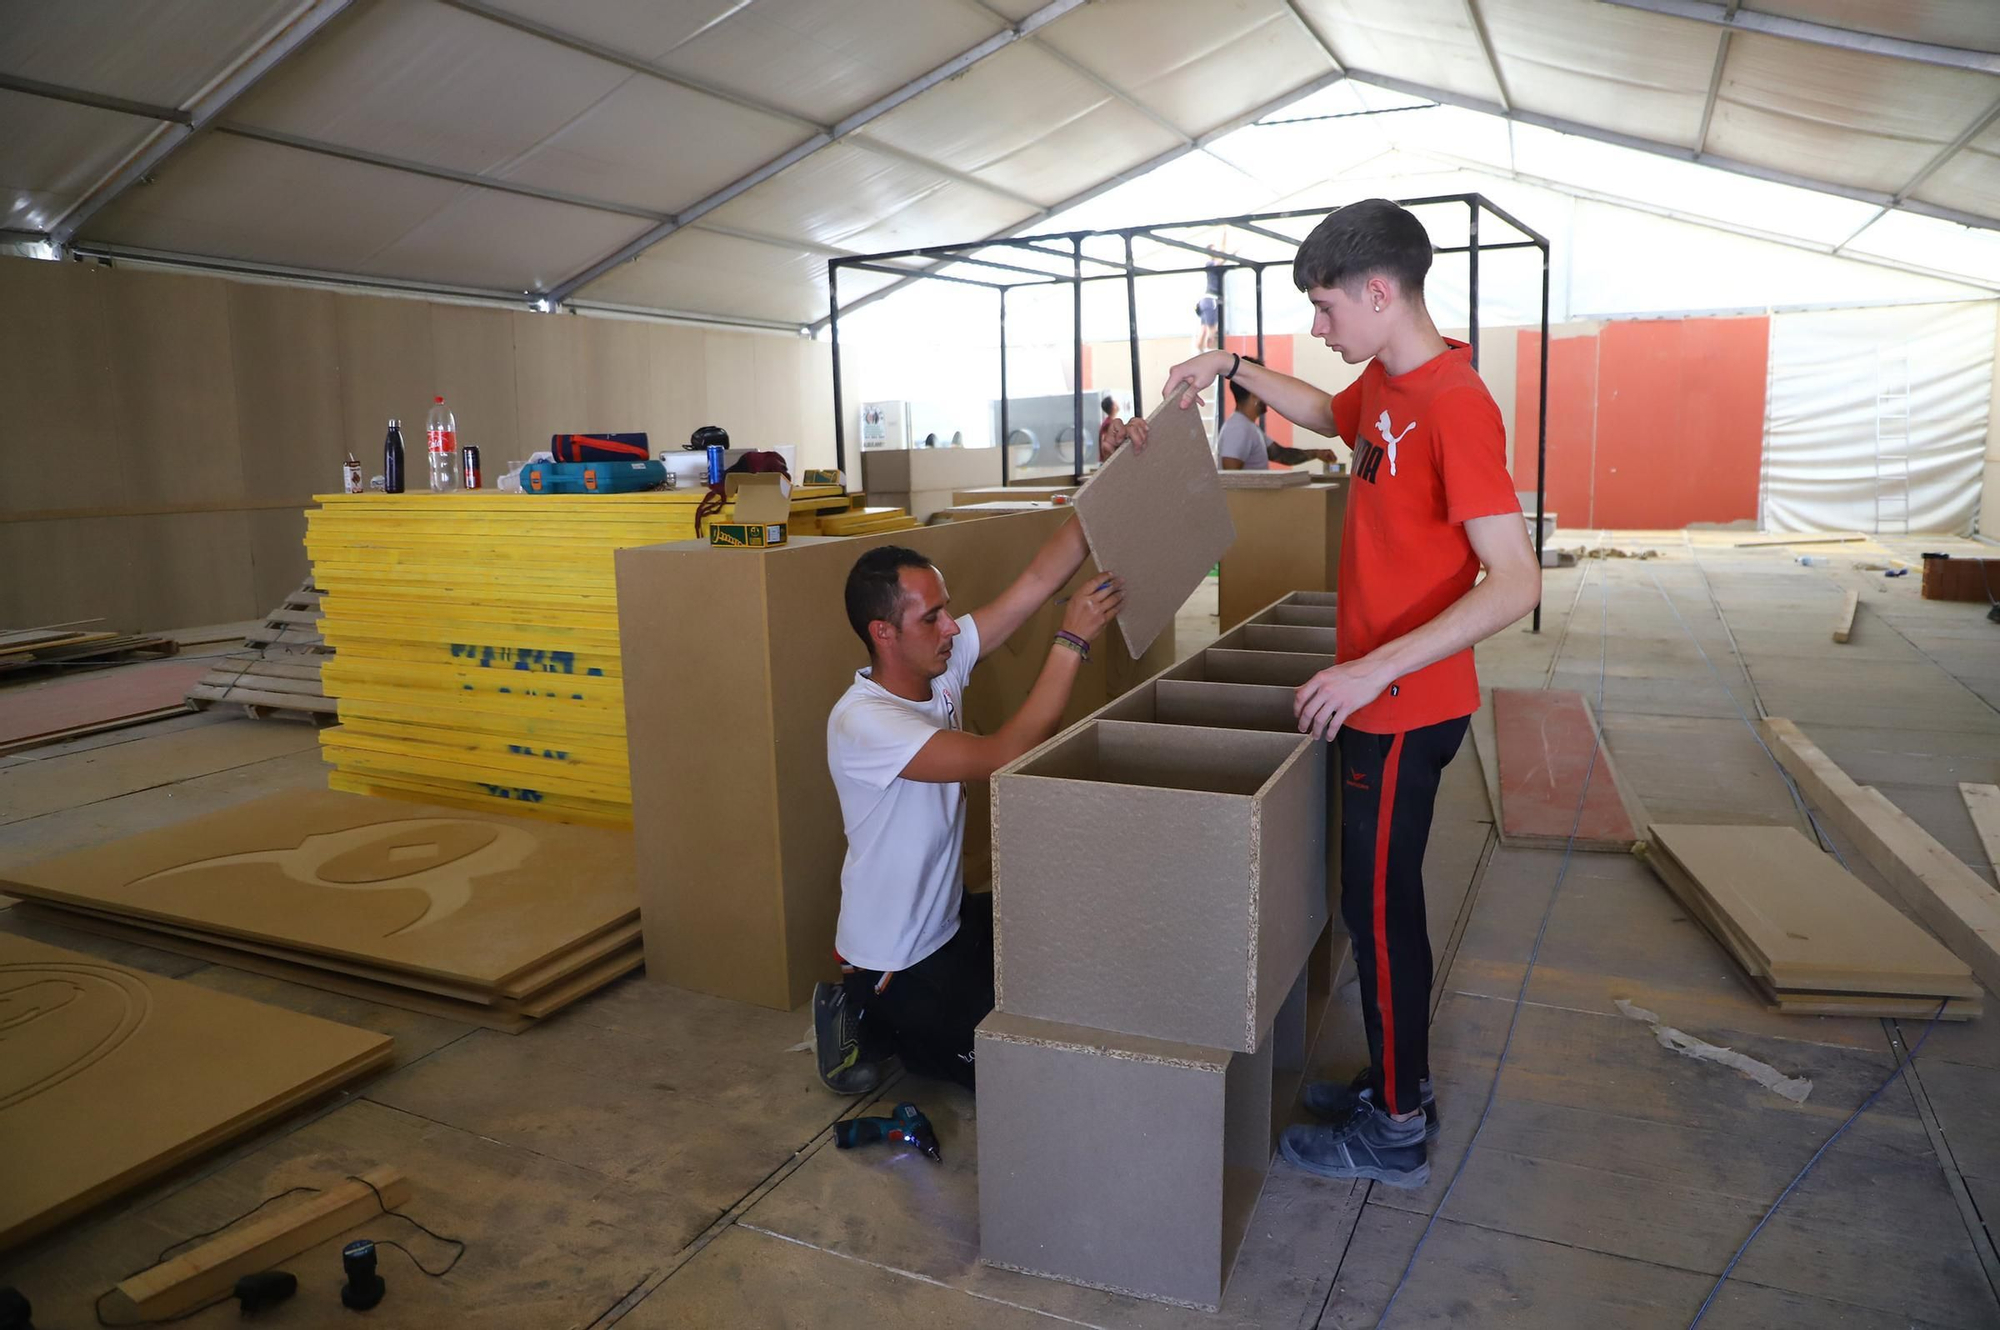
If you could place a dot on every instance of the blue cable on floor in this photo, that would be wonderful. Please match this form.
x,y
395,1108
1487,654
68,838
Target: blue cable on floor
x,y
1534,955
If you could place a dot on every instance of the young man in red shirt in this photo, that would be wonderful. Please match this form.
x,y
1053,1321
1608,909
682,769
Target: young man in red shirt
x,y
1431,504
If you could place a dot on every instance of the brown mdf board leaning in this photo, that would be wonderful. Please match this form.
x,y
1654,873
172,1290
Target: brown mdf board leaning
x,y
1158,519
1119,1163
469,898
1287,540
1954,901
1799,919
1266,478
112,1076
1982,804
1164,881
1278,637
732,660
1556,778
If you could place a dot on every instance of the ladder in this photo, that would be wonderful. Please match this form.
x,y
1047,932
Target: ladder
x,y
1892,441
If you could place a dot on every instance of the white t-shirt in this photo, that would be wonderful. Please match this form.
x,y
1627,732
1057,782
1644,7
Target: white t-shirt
x,y
902,881
1242,439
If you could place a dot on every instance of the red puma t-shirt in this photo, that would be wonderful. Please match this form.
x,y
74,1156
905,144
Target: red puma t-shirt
x,y
1430,453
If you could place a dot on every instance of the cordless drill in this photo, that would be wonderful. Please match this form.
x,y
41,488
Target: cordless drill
x,y
908,1126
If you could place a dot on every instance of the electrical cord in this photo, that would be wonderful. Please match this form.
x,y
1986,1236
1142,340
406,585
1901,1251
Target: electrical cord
x,y
97,1307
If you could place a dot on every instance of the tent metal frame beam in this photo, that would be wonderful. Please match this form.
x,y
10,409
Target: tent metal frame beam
x,y
1131,173
1730,18
1478,22
821,138
1657,148
1474,204
1927,170
1714,83
306,21
101,101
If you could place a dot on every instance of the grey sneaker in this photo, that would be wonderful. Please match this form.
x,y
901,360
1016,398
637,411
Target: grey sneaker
x,y
837,1043
1370,1144
1335,1102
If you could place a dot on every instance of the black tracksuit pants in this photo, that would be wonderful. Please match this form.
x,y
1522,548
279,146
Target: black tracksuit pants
x,y
1389,785
927,1013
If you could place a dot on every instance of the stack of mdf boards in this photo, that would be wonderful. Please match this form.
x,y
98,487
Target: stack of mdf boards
x,y
477,639
1163,960
1812,937
486,918
109,1076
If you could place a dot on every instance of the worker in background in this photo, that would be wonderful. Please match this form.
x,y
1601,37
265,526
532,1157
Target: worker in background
x,y
1242,444
1431,505
1208,310
916,952
1109,406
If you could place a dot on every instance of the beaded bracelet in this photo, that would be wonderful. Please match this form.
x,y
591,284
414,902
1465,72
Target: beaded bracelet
x,y
1065,638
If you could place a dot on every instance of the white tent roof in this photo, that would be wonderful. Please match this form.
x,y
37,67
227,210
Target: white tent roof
x,y
706,157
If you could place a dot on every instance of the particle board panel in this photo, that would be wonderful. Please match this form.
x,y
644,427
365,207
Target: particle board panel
x,y
173,393
477,899
1299,616
1796,916
1278,637
387,371
1199,914
1287,540
84,1035
282,345
1159,520
102,700
1130,1165
1288,669
1982,803
53,367
1949,897
472,351
1548,747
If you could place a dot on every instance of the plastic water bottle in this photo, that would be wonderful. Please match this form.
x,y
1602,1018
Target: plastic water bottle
x,y
441,435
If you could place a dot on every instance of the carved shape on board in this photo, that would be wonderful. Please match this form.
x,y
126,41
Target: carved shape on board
x,y
58,1019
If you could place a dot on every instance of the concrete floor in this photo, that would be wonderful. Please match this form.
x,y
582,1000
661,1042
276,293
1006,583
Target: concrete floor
x,y
656,1158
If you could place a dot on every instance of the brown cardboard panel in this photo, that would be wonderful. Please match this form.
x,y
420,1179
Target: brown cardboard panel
x,y
174,395
732,663
277,553
1329,598
55,358
1119,1164
1288,669
1226,706
1557,783
1809,922
286,359
473,354
1286,540
1158,520
387,368
112,1075
462,896
1205,887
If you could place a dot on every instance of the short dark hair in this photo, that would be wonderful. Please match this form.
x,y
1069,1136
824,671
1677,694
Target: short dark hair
x,y
1237,390
875,587
1354,243
1108,404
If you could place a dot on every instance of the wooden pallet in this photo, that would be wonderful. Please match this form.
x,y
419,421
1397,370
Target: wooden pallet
x,y
277,675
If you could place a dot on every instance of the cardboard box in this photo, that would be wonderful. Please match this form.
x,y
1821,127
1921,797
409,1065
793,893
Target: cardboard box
x,y
726,657
1159,880
1329,598
928,477
1120,1163
1286,540
747,535
1948,578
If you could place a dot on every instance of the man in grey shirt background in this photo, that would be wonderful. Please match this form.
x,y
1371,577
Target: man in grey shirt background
x,y
1242,445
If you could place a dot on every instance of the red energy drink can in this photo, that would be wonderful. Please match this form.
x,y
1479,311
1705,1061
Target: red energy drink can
x,y
468,466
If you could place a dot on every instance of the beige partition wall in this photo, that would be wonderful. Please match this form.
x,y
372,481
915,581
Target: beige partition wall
x,y
165,431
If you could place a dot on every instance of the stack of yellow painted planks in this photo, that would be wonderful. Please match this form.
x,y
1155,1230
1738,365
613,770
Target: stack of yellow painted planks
x,y
476,639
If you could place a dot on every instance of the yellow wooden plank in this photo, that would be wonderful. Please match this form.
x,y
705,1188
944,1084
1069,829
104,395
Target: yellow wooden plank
x,y
595,747
391,761
424,792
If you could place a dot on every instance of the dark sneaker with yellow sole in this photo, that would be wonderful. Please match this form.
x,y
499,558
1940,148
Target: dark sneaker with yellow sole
x,y
837,1044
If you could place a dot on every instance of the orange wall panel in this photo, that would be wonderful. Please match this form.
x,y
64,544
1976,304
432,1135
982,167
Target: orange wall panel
x,y
1680,421
1572,421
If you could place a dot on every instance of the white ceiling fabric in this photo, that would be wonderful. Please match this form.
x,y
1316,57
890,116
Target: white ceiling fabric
x,y
709,156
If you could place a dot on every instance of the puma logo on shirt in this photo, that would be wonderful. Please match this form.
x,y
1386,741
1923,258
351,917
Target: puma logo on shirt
x,y
1368,454
1389,435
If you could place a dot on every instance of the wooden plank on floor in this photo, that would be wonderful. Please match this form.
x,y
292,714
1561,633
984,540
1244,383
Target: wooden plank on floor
x,y
96,701
1943,892
1843,625
1983,803
1549,747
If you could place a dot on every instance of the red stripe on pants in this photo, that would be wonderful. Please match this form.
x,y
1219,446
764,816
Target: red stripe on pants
x,y
1384,993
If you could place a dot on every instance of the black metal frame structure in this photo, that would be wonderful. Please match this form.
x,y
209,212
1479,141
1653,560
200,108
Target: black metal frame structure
x,y
1070,245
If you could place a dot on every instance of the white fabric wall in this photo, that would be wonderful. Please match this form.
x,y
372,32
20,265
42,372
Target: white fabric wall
x,y
1821,412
